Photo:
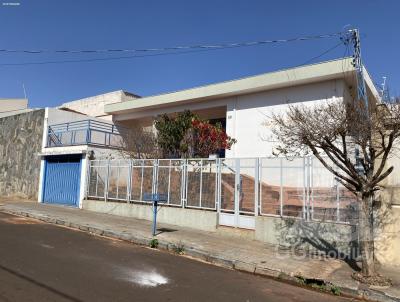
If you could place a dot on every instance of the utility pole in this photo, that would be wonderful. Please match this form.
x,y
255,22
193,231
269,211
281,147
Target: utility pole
x,y
383,87
357,63
353,38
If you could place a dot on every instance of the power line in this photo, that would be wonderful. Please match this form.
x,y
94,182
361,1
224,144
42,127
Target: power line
x,y
322,54
175,48
112,58
167,51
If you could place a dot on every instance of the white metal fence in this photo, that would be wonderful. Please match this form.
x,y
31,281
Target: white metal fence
x,y
300,187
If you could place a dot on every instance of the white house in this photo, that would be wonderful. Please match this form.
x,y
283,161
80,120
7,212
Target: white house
x,y
78,129
246,189
245,104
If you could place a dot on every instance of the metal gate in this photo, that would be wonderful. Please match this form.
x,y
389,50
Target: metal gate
x,y
62,180
239,192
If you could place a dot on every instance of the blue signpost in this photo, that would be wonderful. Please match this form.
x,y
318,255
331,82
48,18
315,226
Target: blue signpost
x,y
155,199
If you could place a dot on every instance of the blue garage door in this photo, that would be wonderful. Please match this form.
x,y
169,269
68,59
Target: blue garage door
x,y
62,180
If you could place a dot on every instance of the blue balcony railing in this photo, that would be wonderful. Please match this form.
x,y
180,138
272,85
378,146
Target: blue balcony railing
x,y
87,132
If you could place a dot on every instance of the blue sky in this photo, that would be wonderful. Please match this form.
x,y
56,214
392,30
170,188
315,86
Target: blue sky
x,y
73,24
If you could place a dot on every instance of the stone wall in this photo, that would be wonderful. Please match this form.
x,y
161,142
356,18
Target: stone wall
x,y
20,143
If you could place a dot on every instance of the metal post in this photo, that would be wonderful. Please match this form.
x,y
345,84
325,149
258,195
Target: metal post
x,y
154,217
201,182
311,172
87,178
155,176
304,188
169,180
337,202
281,187
237,192
141,182
184,183
218,184
129,182
118,174
106,182
256,186
97,182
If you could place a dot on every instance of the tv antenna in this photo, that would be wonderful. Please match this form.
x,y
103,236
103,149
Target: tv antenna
x,y
23,87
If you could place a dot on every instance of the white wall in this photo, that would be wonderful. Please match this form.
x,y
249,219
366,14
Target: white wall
x,y
57,116
249,116
94,105
7,105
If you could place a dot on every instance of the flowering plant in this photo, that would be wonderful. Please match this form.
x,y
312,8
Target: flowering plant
x,y
210,139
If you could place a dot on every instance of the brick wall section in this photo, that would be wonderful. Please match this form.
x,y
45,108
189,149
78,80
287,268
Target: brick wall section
x,y
20,141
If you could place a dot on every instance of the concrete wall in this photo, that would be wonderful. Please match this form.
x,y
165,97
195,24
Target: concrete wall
x,y
249,116
58,116
191,218
20,142
387,229
387,238
337,240
94,105
10,107
13,104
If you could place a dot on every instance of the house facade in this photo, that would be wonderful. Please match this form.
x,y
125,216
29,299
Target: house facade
x,y
273,200
245,105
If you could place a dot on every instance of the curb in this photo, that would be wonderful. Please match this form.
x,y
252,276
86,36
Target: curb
x,y
195,253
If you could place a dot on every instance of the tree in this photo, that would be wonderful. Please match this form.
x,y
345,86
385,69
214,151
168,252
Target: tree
x,y
139,143
186,135
209,139
171,132
354,143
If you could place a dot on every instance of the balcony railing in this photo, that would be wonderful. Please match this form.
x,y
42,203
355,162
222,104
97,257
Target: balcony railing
x,y
87,132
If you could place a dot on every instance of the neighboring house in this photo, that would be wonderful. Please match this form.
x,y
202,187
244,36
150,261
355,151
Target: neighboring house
x,y
21,132
21,129
74,132
94,105
13,106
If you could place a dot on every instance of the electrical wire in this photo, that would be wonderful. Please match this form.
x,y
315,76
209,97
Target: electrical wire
x,y
111,58
322,54
216,46
168,51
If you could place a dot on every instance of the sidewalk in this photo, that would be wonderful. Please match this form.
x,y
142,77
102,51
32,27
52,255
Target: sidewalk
x,y
231,252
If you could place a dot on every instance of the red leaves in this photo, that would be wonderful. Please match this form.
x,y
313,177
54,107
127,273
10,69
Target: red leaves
x,y
210,138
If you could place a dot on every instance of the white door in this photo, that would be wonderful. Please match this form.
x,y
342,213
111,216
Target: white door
x,y
239,192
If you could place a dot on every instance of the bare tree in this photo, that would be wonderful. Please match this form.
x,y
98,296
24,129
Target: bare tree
x,y
354,143
139,143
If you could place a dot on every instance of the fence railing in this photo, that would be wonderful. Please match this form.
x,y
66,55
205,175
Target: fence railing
x,y
87,132
300,188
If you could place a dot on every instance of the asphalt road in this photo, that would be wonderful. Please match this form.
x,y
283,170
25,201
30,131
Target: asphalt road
x,y
43,262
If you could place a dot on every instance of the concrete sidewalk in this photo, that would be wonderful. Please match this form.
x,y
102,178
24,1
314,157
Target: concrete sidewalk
x,y
232,252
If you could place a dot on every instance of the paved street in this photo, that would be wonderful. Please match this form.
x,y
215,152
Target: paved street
x,y
43,262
